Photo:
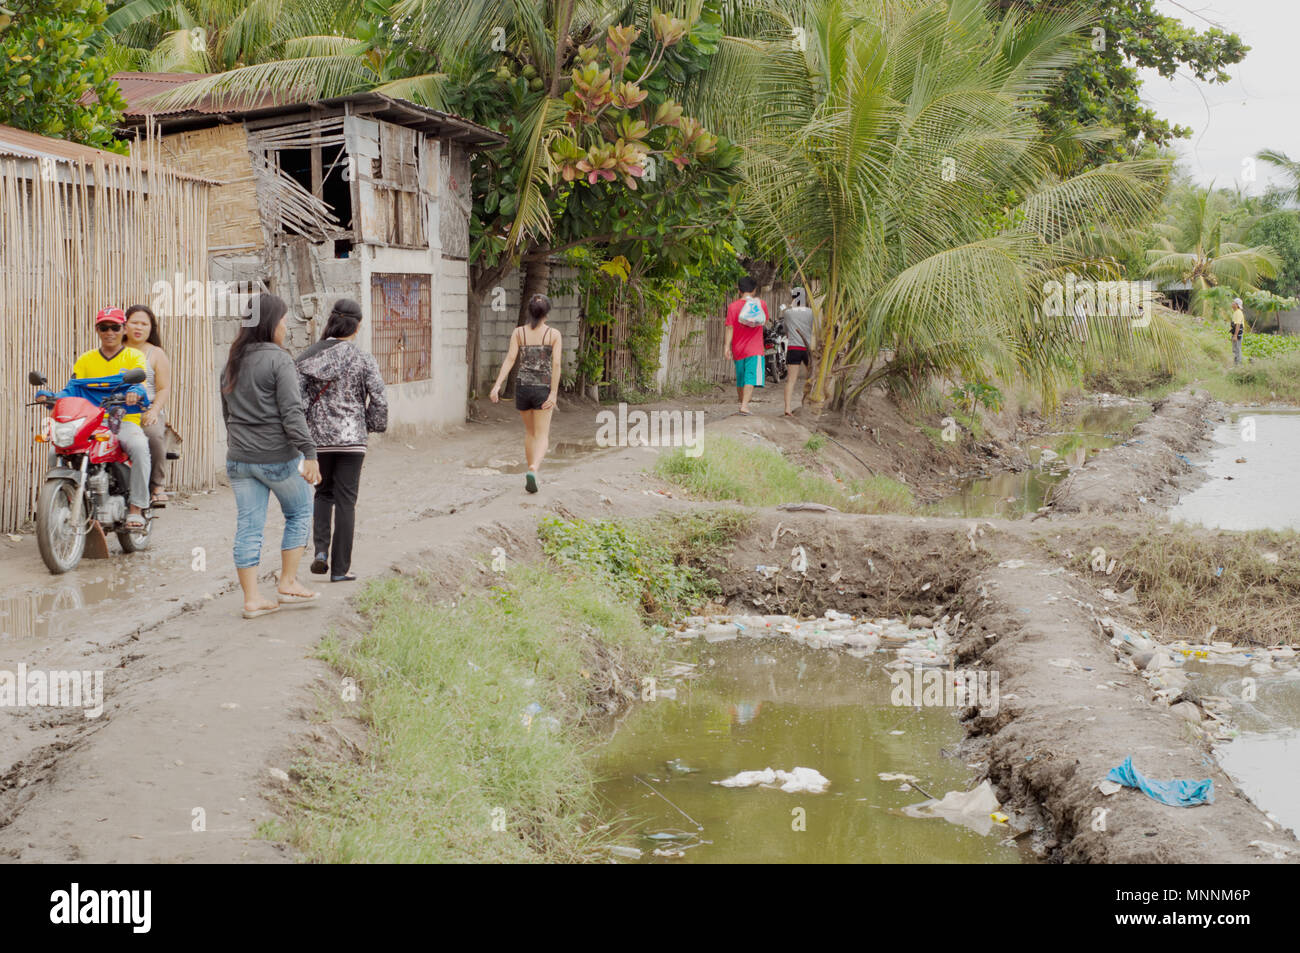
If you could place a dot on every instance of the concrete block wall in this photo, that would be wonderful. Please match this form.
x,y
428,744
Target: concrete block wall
x,y
450,371
497,326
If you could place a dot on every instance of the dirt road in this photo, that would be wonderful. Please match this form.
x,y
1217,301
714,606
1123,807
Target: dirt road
x,y
202,709
199,704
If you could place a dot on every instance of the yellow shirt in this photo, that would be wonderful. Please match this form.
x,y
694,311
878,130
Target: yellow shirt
x,y
93,364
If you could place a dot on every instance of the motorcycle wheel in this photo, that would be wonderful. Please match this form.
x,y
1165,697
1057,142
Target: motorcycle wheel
x,y
61,544
136,542
776,367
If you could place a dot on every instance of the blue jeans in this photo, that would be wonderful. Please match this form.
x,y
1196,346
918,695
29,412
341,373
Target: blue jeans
x,y
253,484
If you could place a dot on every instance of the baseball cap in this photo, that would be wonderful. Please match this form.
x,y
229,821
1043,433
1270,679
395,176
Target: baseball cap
x,y
111,315
1237,302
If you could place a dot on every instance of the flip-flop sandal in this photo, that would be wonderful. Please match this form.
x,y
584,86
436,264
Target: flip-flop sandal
x,y
530,482
288,599
254,613
320,565
346,577
136,524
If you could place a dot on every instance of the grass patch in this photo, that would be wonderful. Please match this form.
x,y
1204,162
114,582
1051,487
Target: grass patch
x,y
1191,580
1271,370
760,476
658,565
475,715
479,711
815,442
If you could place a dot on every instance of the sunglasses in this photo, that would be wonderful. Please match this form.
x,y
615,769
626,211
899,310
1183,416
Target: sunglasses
x,y
108,327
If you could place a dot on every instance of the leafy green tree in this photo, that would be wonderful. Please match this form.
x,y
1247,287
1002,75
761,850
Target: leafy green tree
x,y
47,65
893,159
598,152
1280,231
1102,88
204,36
1265,302
1196,246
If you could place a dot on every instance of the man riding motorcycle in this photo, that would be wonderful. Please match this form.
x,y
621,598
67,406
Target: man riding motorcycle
x,y
110,358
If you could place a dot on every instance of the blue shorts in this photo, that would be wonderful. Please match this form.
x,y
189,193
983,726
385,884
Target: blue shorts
x,y
749,370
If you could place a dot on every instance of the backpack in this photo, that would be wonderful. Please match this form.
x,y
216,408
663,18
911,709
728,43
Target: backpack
x,y
751,314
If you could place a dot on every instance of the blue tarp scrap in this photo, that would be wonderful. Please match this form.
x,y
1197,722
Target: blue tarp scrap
x,y
1173,793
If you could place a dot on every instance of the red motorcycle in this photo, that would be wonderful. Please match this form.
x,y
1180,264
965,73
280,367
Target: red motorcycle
x,y
88,483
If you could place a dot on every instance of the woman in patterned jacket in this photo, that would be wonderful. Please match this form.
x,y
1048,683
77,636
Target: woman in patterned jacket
x,y
343,392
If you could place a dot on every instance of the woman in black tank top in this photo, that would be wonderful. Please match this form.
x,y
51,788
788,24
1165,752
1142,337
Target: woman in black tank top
x,y
539,352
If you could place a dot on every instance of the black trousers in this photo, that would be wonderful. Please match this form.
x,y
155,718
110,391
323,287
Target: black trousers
x,y
336,496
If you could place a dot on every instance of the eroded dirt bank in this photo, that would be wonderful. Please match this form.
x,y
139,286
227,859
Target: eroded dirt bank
x,y
1147,471
1070,710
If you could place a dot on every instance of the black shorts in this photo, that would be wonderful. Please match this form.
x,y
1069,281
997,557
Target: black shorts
x,y
531,396
796,355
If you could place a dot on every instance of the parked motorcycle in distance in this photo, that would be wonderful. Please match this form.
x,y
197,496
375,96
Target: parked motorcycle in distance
x,y
775,341
89,476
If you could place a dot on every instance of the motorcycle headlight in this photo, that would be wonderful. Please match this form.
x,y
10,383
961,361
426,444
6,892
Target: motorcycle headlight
x,y
64,432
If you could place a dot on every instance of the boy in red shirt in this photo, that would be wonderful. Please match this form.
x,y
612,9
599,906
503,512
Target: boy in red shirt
x,y
746,343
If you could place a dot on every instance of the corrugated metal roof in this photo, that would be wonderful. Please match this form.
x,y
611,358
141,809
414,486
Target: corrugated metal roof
x,y
138,88
29,145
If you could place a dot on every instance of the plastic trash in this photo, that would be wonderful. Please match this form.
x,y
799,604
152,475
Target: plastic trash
x,y
1173,793
799,561
631,853
973,809
797,781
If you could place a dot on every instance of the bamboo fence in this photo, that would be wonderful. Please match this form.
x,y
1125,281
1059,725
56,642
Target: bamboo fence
x,y
99,232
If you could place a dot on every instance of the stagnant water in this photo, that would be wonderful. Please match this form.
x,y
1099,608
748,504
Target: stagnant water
x,y
1261,494
1072,438
1264,760
769,703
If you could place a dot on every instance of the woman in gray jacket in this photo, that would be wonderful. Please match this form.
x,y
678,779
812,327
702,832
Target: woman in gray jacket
x,y
343,392
269,450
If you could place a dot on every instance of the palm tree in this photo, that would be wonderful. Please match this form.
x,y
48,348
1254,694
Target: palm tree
x,y
893,157
209,36
1194,249
1289,166
449,54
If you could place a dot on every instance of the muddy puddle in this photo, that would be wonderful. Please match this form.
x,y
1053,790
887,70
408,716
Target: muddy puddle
x,y
1071,439
60,609
1257,493
765,702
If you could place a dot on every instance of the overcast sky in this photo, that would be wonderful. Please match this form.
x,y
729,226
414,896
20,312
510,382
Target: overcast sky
x,y
1258,109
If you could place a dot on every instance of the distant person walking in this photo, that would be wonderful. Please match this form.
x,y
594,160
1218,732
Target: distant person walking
x,y
269,450
343,391
1238,330
143,335
540,355
746,317
799,329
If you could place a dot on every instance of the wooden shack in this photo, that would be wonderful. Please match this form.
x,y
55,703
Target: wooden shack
x,y
364,197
